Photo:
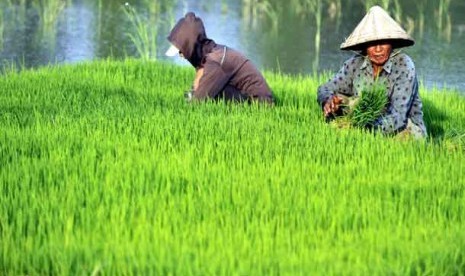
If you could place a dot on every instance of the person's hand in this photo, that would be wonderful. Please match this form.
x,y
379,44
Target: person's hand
x,y
188,96
332,105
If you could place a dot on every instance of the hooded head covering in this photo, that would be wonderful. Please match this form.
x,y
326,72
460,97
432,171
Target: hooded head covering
x,y
189,36
377,25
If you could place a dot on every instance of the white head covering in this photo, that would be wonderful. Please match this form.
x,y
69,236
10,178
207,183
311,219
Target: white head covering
x,y
172,51
377,25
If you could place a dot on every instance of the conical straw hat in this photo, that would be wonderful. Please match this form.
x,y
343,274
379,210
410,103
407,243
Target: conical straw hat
x,y
377,25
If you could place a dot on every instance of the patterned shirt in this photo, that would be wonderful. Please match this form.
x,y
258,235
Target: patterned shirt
x,y
404,109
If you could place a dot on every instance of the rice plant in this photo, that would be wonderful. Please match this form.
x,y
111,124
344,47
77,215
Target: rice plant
x,y
1,30
106,170
421,5
255,10
443,21
370,106
145,36
49,11
14,2
385,4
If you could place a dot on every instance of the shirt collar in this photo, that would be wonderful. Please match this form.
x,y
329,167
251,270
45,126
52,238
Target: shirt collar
x,y
386,67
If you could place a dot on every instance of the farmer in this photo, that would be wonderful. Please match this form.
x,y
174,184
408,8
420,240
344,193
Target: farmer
x,y
221,72
376,42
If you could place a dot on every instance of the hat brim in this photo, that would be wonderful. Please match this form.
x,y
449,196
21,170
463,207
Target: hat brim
x,y
395,43
172,51
377,25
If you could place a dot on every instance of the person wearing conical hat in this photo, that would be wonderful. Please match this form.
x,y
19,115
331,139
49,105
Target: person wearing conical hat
x,y
376,41
222,73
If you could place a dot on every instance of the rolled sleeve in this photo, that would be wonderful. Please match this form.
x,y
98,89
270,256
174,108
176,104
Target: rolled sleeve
x,y
342,83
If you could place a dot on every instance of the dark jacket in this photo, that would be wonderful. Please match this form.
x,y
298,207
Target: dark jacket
x,y
226,73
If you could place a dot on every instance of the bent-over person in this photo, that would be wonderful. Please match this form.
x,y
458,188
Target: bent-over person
x,y
221,72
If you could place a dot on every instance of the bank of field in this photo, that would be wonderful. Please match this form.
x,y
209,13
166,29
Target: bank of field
x,y
104,169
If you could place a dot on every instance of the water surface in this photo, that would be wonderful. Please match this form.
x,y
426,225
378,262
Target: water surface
x,y
276,35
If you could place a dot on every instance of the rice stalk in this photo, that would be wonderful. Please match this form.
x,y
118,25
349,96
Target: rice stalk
x,y
145,36
106,170
370,106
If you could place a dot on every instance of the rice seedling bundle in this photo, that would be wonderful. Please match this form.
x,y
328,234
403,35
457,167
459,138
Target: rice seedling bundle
x,y
370,106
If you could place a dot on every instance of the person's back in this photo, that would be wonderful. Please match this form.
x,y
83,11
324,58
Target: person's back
x,y
222,72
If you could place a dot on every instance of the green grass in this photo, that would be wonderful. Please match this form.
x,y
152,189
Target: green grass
x,y
104,169
144,32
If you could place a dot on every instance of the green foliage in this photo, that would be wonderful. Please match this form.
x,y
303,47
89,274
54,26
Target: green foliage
x,y
144,34
1,30
49,10
370,106
254,10
104,169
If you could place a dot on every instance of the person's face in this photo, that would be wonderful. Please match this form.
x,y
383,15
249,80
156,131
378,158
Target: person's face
x,y
379,53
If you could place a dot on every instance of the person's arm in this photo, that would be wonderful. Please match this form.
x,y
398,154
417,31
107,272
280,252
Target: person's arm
x,y
211,82
341,84
404,95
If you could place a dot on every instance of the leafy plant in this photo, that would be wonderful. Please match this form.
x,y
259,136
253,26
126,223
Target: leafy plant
x,y
370,106
49,11
104,169
145,35
1,30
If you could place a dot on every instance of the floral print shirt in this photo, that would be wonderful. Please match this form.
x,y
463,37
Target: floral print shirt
x,y
404,110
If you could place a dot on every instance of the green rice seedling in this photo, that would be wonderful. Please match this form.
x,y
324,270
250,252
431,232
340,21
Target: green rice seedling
x,y
145,37
370,106
106,169
362,111
455,139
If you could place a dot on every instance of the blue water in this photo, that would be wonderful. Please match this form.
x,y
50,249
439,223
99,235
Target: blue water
x,y
284,42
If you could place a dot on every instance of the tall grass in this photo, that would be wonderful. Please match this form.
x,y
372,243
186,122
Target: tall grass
x,y
421,5
1,29
106,170
315,9
443,21
14,2
255,10
49,11
370,3
144,36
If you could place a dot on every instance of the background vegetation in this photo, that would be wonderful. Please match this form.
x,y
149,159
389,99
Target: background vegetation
x,y
106,170
38,32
